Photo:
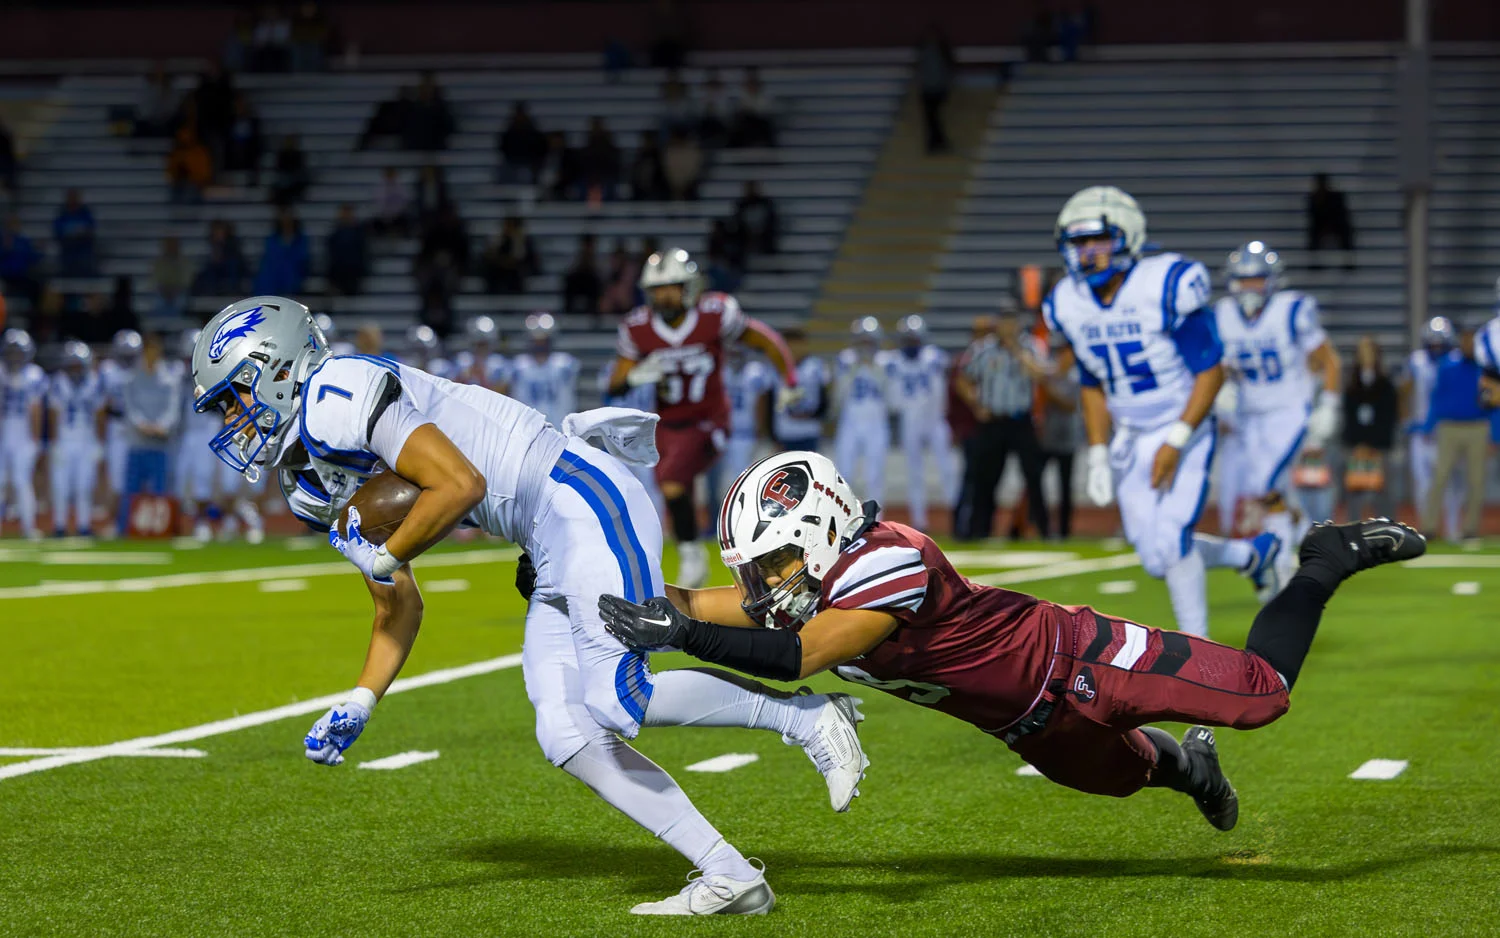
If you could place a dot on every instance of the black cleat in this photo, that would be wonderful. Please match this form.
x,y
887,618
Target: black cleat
x,y
1360,545
1220,805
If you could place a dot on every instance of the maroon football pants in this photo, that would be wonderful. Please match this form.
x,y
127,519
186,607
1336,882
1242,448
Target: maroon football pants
x,y
1114,676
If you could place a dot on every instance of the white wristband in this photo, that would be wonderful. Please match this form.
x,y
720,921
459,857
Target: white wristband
x,y
1178,434
385,564
362,696
1099,452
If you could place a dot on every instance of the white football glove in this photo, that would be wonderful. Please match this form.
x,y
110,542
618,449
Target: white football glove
x,y
374,562
337,729
787,398
646,371
1324,421
1100,483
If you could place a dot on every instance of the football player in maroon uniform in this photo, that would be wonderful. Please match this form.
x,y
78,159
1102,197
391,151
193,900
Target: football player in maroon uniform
x,y
1068,689
676,342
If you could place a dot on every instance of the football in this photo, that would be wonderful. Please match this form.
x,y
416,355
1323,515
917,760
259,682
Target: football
x,y
383,502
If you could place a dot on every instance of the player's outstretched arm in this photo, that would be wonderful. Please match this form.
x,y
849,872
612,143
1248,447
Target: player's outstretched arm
x,y
717,604
769,343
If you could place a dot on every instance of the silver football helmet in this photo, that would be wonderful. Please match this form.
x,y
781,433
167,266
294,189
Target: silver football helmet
x,y
1439,335
76,357
126,346
1253,271
1094,212
669,267
248,366
912,328
540,327
19,349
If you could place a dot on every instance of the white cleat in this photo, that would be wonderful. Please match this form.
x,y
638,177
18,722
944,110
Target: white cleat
x,y
834,748
715,895
203,532
692,565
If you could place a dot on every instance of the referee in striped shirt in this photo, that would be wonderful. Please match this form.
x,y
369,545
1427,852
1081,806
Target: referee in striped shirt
x,y
997,378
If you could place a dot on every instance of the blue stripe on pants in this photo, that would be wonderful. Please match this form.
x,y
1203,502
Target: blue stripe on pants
x,y
1208,467
632,686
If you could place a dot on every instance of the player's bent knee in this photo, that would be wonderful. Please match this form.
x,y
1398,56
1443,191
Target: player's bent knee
x,y
557,734
617,692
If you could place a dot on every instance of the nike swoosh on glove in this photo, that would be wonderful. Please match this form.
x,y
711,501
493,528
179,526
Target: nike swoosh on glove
x,y
334,732
360,552
654,626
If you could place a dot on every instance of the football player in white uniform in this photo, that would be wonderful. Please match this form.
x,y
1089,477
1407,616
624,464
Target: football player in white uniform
x,y
1278,362
1149,362
481,364
327,423
544,378
862,439
797,420
1487,353
124,352
917,382
24,391
214,492
1419,374
747,381
77,405
425,351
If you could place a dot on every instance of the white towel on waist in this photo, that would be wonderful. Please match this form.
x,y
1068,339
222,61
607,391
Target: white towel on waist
x,y
620,431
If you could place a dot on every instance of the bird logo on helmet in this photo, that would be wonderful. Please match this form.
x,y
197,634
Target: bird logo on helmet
x,y
1087,218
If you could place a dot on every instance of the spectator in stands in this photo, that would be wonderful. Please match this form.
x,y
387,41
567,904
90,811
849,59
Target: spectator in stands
x,y
714,111
213,107
223,272
243,148
156,111
121,313
1457,421
754,116
620,286
683,164
599,162
190,168
171,276
648,179
523,147
510,258
582,286
1328,223
389,120
271,41
390,210
1371,413
73,230
669,35
9,166
437,312
152,398
310,34
284,259
236,53
726,243
756,221
430,194
558,178
347,252
429,121
290,178
935,75
20,262
1039,35
678,112
718,271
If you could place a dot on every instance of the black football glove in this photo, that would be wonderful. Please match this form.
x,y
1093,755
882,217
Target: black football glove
x,y
654,626
525,577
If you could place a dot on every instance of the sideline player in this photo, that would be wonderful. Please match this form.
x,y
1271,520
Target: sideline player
x,y
1149,362
862,439
327,423
1278,360
918,386
1418,377
77,405
676,342
1068,689
124,351
481,363
22,394
747,380
544,378
425,350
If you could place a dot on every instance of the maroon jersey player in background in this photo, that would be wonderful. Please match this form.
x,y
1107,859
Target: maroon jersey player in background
x,y
1068,689
676,342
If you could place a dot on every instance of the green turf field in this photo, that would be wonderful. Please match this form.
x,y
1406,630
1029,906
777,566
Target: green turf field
x,y
488,839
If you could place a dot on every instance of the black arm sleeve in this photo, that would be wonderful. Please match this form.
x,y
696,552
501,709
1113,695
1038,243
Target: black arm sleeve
x,y
768,653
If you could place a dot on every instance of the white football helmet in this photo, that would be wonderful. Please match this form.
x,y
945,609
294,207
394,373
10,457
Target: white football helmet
x,y
668,267
786,507
1253,260
1095,211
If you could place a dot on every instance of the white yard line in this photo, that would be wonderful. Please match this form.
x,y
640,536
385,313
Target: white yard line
x,y
282,586
1380,770
250,575
1058,570
728,762
445,586
1466,588
1117,587
400,760
15,753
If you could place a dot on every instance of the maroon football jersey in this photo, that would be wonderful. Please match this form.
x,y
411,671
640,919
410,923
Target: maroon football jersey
x,y
691,390
980,653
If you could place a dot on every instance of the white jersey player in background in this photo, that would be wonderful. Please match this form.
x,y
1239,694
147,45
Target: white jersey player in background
x,y
1283,376
333,421
425,350
481,363
544,378
641,397
210,489
1149,362
1487,354
862,438
124,352
747,381
77,405
22,398
797,420
1418,375
917,384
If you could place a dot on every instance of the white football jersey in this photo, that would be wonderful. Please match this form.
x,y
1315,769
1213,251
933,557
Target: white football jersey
x,y
1147,347
801,422
495,374
860,387
357,412
918,384
549,385
1421,371
75,404
1267,356
1487,345
23,387
746,384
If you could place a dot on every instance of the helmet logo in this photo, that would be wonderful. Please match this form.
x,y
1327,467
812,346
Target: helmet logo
x,y
236,326
783,491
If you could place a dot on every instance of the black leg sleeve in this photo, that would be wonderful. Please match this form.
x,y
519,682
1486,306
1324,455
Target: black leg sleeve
x,y
1284,628
684,518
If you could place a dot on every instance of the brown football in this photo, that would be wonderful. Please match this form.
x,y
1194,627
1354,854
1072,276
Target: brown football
x,y
383,502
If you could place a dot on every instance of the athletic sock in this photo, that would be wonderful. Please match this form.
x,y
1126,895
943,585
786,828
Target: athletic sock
x,y
1186,584
1175,769
1284,628
1222,552
706,697
644,792
684,517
